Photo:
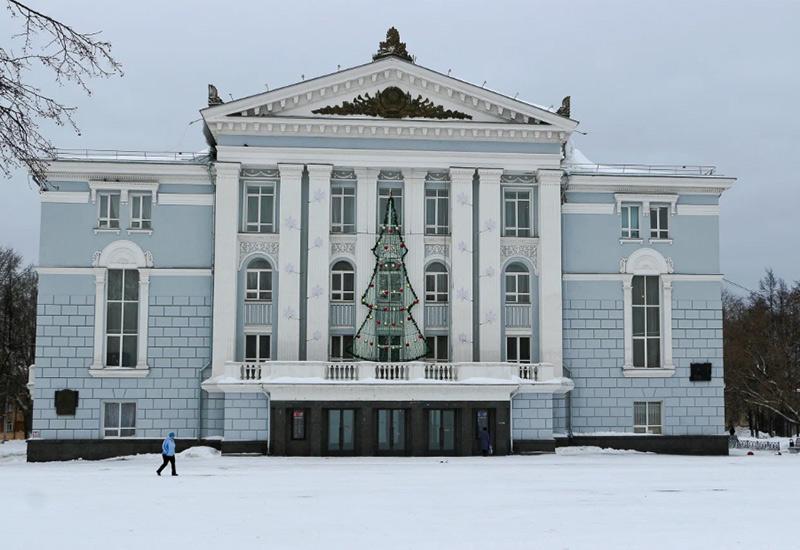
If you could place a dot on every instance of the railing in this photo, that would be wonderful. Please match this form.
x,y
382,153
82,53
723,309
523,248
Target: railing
x,y
437,315
280,372
343,315
258,313
518,315
642,169
110,154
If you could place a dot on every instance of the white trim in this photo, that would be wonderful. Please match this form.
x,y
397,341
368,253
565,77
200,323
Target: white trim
x,y
587,208
181,272
698,210
139,231
117,372
616,183
123,254
645,201
630,241
67,197
699,277
659,241
122,171
646,261
676,277
124,188
593,277
643,372
186,199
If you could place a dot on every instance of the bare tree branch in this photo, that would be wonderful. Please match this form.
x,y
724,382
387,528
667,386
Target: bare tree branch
x,y
70,57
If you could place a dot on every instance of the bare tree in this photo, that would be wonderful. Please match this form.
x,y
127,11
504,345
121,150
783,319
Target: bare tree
x,y
67,55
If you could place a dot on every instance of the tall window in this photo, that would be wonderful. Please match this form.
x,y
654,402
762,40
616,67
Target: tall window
x,y
122,317
390,347
517,213
341,346
343,281
659,222
437,209
141,210
441,430
119,419
108,211
391,429
257,348
341,430
518,349
646,321
260,208
343,208
647,417
438,348
630,221
436,283
259,281
396,191
518,284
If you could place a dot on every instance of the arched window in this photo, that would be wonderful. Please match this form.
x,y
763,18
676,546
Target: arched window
x,y
259,281
343,282
436,283
518,284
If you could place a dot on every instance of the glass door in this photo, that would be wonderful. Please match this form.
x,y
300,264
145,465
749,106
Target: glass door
x,y
341,430
441,430
391,430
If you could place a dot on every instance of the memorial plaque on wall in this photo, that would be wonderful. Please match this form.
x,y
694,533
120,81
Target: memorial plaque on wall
x,y
66,402
700,372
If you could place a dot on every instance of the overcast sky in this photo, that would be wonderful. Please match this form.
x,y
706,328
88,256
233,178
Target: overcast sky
x,y
713,82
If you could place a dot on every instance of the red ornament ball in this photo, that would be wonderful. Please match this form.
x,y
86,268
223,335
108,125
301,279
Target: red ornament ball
x,y
386,309
402,245
421,337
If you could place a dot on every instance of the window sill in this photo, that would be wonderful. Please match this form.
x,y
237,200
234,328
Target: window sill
x,y
631,241
660,241
118,372
98,230
140,231
643,372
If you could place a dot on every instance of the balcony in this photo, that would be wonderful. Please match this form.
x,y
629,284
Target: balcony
x,y
343,315
437,315
370,381
257,313
518,315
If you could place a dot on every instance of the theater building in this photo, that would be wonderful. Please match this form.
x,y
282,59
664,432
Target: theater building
x,y
260,298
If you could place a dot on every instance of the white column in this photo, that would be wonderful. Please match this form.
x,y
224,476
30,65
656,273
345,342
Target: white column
x,y
290,209
627,319
98,362
666,321
226,209
550,283
366,208
144,304
319,250
489,265
461,323
414,229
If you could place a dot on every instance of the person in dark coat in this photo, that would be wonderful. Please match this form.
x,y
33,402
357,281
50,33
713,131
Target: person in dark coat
x,y
168,453
486,442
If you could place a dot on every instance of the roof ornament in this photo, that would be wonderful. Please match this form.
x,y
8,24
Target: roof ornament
x,y
565,107
213,96
391,102
392,47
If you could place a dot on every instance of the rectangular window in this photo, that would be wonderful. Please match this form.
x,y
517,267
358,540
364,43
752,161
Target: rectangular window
x,y
122,317
260,208
396,191
646,321
391,430
630,221
390,347
647,417
341,430
257,348
141,209
517,213
518,349
438,348
108,211
437,209
258,286
298,424
659,222
442,430
343,284
343,208
119,419
341,347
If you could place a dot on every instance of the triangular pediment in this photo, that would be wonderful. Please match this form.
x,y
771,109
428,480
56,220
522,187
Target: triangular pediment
x,y
389,88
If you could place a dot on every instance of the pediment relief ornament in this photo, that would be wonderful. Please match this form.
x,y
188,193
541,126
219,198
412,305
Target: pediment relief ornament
x,y
441,250
521,250
392,102
343,247
249,247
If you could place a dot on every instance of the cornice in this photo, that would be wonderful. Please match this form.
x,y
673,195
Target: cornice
x,y
650,184
128,171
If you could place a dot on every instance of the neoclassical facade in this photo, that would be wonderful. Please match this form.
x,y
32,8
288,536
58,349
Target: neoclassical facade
x,y
219,295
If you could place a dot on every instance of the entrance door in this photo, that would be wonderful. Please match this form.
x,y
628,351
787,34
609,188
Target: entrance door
x,y
483,418
441,430
391,431
341,431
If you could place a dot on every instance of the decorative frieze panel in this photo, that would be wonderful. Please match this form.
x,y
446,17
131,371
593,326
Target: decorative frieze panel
x,y
437,249
390,175
269,173
249,246
437,176
520,249
343,175
518,178
343,246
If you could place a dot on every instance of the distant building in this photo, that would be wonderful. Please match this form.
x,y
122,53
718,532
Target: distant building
x,y
219,296
12,422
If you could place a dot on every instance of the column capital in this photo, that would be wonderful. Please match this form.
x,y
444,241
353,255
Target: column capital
x,y
415,174
545,176
364,173
321,171
291,171
490,175
461,175
227,169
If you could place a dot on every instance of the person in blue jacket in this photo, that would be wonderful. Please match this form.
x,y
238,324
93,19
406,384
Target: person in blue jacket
x,y
168,453
486,442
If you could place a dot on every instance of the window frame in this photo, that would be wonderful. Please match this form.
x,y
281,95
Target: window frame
x,y
649,427
340,195
515,296
627,231
396,190
340,295
255,294
436,193
107,222
438,348
118,427
140,222
343,357
434,281
643,309
121,334
259,336
258,226
517,230
517,339
659,214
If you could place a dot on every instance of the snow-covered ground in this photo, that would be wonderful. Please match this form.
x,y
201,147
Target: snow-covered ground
x,y
580,498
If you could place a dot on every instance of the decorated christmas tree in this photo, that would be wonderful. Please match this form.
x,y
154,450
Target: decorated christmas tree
x,y
389,332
